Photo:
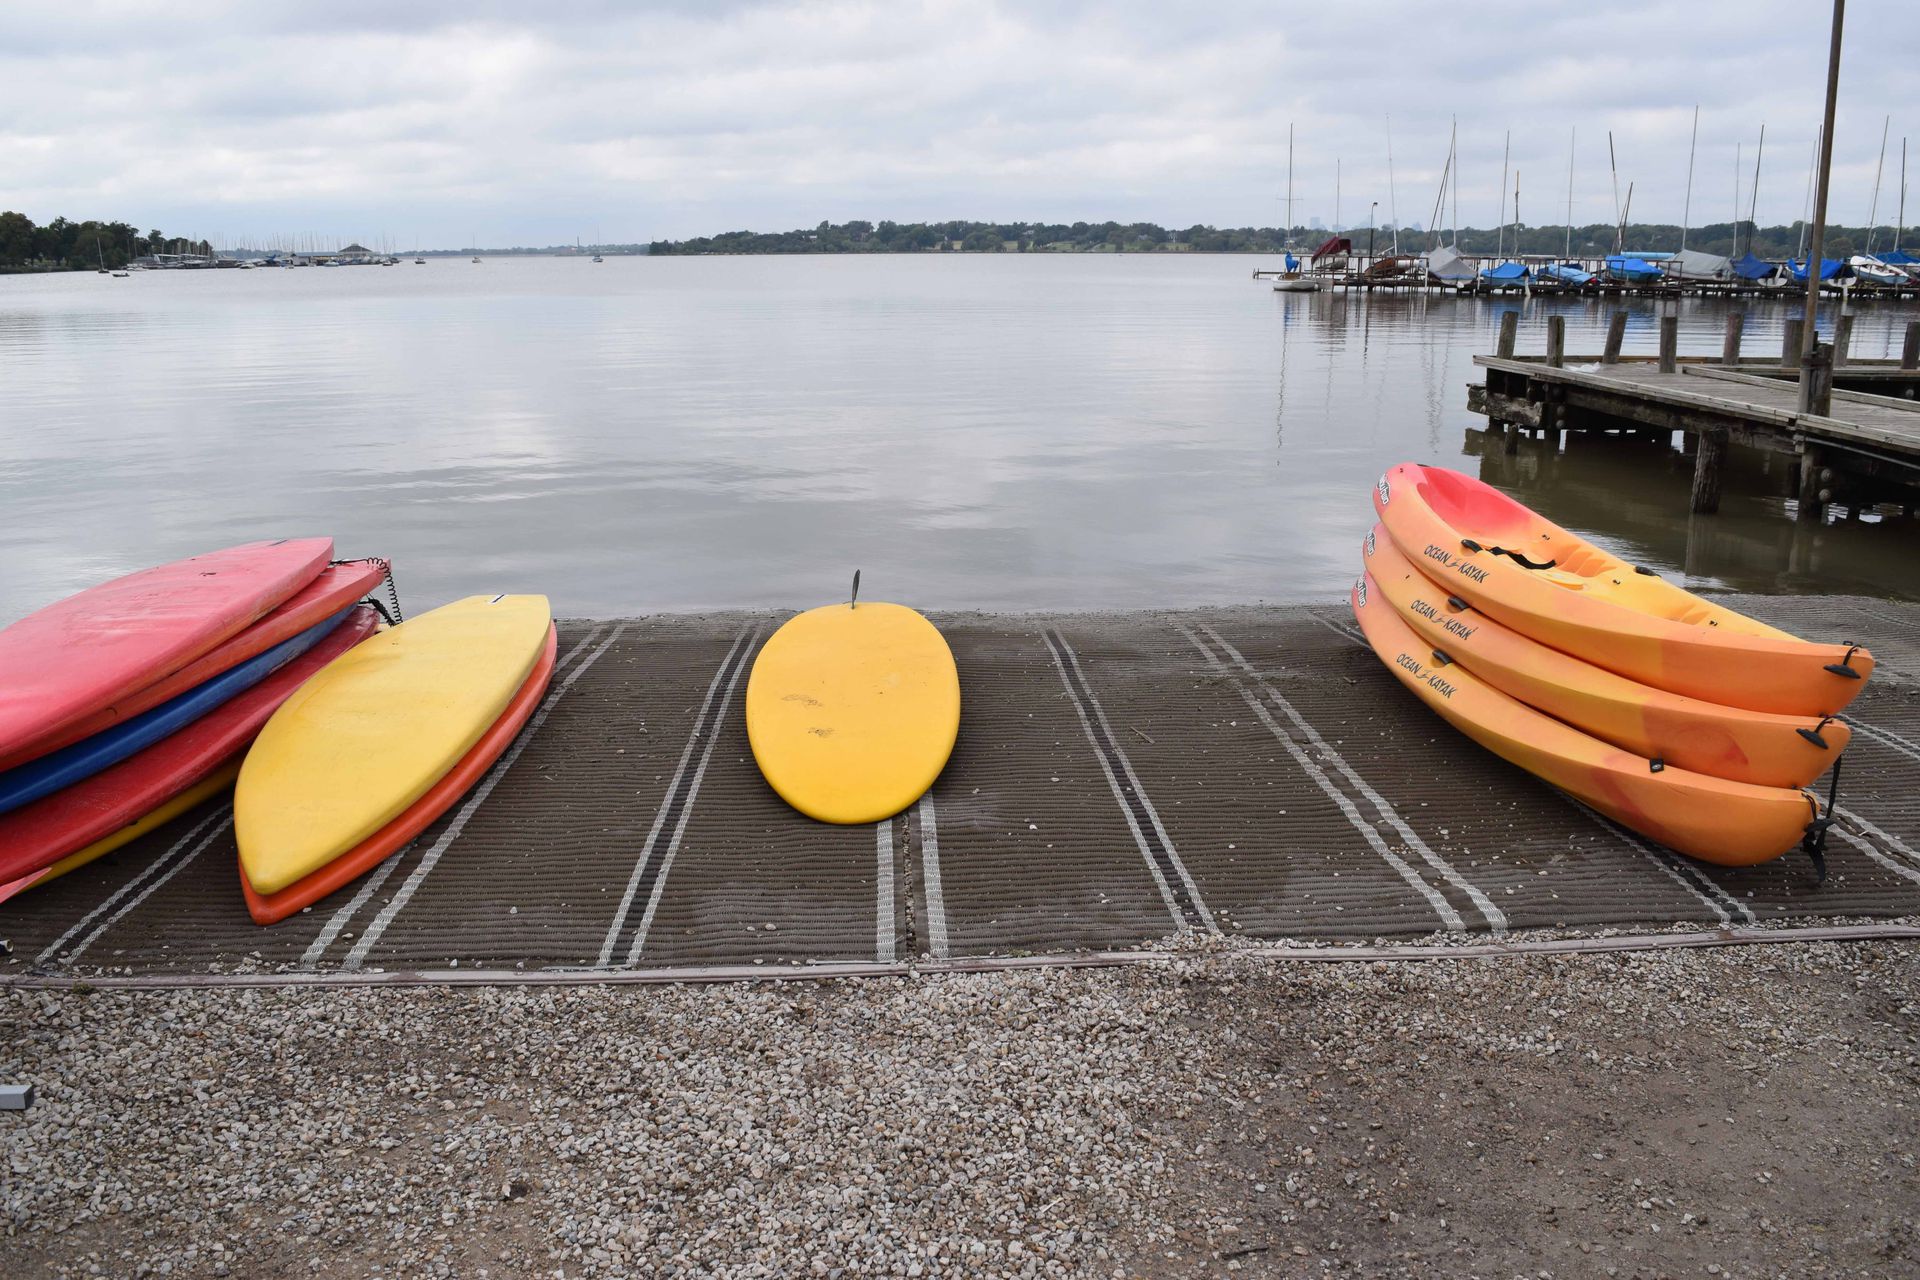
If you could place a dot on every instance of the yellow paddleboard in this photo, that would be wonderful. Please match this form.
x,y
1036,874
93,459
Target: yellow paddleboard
x,y
365,738
853,710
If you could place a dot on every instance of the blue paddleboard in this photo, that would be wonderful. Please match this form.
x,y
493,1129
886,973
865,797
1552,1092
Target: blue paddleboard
x,y
37,779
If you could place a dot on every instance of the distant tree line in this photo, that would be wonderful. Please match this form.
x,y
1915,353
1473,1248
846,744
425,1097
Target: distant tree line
x,y
80,246
1595,240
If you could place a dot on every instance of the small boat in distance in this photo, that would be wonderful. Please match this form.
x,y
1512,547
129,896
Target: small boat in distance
x,y
476,257
1569,273
419,262
598,258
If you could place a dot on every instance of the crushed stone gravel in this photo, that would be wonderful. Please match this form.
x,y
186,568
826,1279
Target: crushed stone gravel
x,y
1739,1112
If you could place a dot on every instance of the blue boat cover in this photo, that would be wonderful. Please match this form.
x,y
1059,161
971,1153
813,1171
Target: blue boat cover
x,y
25,783
1634,270
1898,258
1829,268
1505,273
1566,273
1752,268
1293,263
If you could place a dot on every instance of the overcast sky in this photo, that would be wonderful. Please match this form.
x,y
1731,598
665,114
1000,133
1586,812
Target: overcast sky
x,y
451,122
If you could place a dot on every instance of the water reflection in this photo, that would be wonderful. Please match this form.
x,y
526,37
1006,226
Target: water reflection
x,y
1023,431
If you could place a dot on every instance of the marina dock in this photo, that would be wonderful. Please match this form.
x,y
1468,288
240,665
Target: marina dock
x,y
1223,775
1859,447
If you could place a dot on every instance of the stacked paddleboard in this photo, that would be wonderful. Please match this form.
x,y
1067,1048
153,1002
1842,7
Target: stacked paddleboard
x,y
381,742
129,703
1690,723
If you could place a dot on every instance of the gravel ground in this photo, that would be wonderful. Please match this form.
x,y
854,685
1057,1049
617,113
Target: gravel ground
x,y
1738,1112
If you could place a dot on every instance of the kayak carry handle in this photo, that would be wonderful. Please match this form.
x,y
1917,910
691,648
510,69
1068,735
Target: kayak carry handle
x,y
1841,668
854,599
1644,571
1656,764
1458,605
1813,735
1440,656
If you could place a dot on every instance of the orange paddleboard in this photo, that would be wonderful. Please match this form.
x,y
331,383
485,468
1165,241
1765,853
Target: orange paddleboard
x,y
442,796
1726,742
1555,587
1731,823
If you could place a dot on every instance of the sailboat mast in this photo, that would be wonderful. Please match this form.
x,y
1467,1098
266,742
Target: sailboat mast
x,y
1873,208
1738,156
1572,134
1613,165
1392,209
1453,149
1812,164
1900,232
1506,153
1686,214
1336,195
1753,197
1289,183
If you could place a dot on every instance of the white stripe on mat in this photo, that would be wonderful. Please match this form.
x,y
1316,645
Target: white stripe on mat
x,y
223,817
930,873
1884,737
686,813
1063,655
477,797
1688,877
340,918
1496,919
1441,907
883,933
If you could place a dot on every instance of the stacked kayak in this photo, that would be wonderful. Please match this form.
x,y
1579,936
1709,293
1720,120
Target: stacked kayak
x,y
127,703
1686,721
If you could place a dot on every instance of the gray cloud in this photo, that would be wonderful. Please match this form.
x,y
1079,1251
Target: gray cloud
x,y
516,123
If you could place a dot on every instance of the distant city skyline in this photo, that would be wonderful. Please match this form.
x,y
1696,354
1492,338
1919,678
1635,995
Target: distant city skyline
x,y
444,125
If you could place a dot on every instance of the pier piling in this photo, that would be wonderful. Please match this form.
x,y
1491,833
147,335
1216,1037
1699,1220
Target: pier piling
x,y
1910,349
1813,478
1669,343
1616,334
1842,338
1509,331
1736,326
1710,453
1790,335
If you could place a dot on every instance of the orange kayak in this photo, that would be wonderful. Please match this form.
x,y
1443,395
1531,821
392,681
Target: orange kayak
x,y
1726,742
1557,588
1731,823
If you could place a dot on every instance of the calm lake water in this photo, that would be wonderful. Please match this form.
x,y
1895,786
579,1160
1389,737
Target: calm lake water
x,y
662,434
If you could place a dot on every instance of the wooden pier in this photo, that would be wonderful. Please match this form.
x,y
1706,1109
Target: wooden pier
x,y
1857,445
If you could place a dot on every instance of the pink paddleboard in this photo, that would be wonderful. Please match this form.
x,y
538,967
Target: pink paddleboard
x,y
337,586
40,834
71,659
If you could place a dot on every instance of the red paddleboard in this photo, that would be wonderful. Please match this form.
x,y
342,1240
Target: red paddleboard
x,y
40,834
338,586
443,795
72,658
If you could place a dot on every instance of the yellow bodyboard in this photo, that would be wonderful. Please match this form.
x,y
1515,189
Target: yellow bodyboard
x,y
853,711
366,737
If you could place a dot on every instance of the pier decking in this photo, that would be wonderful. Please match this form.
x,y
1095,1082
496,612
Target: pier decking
x,y
1252,773
1864,449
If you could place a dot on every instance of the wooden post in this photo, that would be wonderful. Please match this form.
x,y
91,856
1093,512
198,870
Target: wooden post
x,y
1509,329
1556,341
1842,338
1812,480
1730,349
1816,381
1616,334
1707,460
1790,342
1669,344
1910,350
1512,445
